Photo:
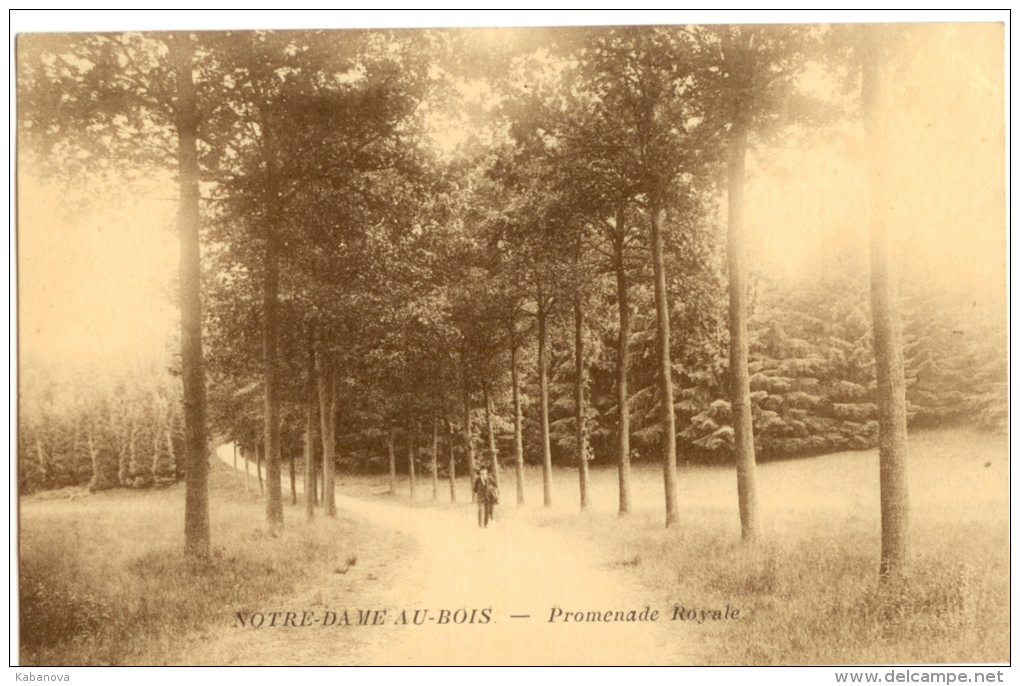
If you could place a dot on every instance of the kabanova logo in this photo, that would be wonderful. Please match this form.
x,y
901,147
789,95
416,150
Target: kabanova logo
x,y
18,676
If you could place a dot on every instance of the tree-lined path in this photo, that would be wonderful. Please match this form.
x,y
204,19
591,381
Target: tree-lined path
x,y
667,259
514,568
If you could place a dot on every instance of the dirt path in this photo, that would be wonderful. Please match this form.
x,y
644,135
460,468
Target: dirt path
x,y
456,571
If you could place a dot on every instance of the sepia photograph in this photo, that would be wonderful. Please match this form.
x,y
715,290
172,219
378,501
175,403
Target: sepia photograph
x,y
660,342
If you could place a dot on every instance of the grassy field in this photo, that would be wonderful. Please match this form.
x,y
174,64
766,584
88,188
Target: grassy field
x,y
810,595
104,580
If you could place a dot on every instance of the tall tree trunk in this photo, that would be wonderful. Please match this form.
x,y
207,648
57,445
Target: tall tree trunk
x,y
244,455
76,452
129,470
293,480
468,442
493,453
327,409
258,469
543,394
134,466
411,448
310,411
451,468
43,463
321,464
196,448
622,352
390,438
119,441
169,435
518,428
94,457
665,366
270,335
175,468
740,389
435,458
892,413
122,457
158,420
317,457
582,434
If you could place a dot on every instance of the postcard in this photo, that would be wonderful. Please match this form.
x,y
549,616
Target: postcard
x,y
676,343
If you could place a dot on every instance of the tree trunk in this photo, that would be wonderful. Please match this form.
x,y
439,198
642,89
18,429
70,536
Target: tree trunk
x,y
390,438
493,453
892,414
582,435
435,459
274,503
244,455
321,465
94,457
327,409
543,392
171,456
174,469
43,463
410,462
452,466
623,343
740,389
131,450
122,456
258,469
469,445
665,367
270,336
293,480
310,408
134,466
196,449
518,429
155,437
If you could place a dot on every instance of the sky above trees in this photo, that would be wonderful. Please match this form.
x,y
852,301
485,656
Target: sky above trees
x,y
96,273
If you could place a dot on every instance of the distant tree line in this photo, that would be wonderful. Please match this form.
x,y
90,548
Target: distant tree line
x,y
100,431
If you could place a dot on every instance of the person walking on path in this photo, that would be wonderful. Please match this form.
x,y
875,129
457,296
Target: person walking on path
x,y
486,495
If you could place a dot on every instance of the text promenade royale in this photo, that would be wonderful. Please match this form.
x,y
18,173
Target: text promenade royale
x,y
678,613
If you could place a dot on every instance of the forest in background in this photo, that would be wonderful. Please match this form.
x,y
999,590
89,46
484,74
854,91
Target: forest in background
x,y
110,430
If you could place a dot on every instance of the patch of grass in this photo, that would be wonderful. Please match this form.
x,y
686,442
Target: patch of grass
x,y
54,609
104,580
810,593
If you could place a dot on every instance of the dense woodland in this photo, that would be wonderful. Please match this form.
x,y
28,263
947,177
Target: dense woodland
x,y
425,250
